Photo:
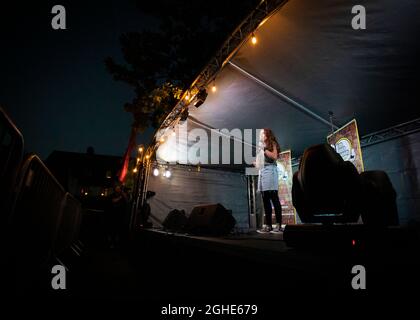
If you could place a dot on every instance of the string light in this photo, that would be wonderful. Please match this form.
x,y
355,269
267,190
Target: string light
x,y
254,39
134,170
162,140
141,149
214,89
147,156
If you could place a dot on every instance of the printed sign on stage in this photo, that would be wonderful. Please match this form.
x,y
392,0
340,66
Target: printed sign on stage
x,y
284,167
347,143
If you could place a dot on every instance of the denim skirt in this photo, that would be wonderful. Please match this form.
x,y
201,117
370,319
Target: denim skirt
x,y
268,178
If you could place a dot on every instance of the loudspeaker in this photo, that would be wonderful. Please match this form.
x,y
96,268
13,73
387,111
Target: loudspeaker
x,y
175,221
211,219
326,188
380,205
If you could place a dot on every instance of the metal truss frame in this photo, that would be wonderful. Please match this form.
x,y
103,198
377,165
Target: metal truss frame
x,y
264,10
390,133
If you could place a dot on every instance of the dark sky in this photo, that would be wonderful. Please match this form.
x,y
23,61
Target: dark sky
x,y
54,84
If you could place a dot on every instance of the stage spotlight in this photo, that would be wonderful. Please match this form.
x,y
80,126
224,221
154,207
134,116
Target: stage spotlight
x,y
184,115
214,88
200,98
167,173
155,172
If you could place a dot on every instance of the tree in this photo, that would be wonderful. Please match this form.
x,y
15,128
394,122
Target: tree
x,y
160,64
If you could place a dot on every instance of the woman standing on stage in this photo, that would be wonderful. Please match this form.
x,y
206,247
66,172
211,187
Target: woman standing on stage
x,y
268,180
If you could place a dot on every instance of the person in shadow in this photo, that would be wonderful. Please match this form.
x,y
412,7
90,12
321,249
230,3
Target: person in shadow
x,y
117,206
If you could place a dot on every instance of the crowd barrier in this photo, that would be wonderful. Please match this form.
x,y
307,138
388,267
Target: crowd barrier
x,y
11,154
42,219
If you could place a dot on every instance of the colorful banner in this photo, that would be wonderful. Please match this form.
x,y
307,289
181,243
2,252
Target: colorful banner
x,y
347,143
284,168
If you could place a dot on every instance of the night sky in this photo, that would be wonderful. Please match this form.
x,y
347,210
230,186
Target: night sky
x,y
54,84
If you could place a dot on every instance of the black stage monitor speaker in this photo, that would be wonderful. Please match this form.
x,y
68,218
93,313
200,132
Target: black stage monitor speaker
x,y
175,221
380,204
211,219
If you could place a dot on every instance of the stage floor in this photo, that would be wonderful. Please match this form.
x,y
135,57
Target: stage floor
x,y
254,258
170,267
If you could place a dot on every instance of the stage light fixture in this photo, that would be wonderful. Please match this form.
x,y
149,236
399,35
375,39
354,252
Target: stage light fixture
x,y
167,173
200,98
155,172
254,39
184,115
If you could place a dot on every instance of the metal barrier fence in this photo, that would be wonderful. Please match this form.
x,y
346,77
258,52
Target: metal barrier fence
x,y
11,154
69,226
38,211
39,219
46,219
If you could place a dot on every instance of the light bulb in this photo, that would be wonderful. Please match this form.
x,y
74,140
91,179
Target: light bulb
x,y
156,172
254,39
167,174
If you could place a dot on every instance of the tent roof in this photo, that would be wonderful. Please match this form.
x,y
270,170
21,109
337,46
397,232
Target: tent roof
x,y
308,51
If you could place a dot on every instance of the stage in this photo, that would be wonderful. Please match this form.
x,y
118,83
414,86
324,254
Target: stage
x,y
162,267
256,265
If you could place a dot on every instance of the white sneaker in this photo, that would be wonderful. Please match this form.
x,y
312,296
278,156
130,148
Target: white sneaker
x,y
277,229
264,229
